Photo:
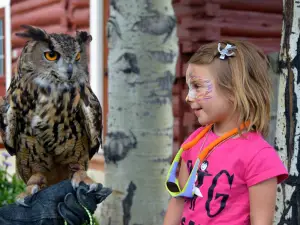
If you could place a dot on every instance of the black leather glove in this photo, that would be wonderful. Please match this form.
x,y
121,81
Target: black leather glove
x,y
72,207
55,204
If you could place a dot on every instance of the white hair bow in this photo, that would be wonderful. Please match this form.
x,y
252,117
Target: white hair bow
x,y
228,50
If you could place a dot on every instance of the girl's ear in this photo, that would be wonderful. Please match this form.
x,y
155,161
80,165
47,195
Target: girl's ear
x,y
230,97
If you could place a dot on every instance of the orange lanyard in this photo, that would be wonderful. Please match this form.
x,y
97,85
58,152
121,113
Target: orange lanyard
x,y
204,153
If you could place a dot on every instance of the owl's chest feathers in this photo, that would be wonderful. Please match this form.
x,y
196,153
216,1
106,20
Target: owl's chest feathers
x,y
55,118
57,102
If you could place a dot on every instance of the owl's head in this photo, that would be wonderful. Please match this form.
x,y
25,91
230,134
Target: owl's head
x,y
58,57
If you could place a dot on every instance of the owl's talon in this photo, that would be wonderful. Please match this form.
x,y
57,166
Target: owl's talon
x,y
81,176
30,190
74,184
35,189
92,187
21,201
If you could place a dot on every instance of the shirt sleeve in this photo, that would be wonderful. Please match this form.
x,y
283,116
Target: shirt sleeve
x,y
264,165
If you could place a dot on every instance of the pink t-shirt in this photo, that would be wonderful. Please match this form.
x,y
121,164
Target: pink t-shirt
x,y
226,175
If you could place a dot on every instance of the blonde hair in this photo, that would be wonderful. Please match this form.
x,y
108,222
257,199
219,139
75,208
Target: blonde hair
x,y
244,77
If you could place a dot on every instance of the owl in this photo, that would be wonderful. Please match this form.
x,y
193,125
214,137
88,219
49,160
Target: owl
x,y
50,119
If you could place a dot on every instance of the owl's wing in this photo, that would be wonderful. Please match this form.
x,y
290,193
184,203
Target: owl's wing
x,y
91,112
8,116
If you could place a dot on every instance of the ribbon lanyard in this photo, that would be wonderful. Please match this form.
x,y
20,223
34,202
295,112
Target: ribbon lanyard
x,y
204,153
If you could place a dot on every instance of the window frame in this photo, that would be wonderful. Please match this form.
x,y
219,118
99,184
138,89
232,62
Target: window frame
x,y
3,12
2,17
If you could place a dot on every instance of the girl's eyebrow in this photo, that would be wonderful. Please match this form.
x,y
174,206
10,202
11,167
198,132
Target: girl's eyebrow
x,y
197,79
189,75
192,78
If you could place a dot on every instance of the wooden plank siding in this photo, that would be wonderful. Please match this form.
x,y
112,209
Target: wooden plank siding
x,y
2,76
2,43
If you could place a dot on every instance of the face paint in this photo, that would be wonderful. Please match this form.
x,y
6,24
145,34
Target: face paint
x,y
199,89
192,91
208,85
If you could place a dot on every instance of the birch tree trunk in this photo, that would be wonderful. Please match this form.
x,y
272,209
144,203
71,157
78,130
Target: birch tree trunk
x,y
143,52
288,127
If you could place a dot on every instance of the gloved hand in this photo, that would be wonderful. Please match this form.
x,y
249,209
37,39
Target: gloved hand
x,y
55,204
72,207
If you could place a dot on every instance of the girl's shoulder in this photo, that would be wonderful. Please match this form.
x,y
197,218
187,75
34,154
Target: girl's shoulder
x,y
254,141
250,145
261,160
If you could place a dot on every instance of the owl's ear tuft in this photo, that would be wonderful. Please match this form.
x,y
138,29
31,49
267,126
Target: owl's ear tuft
x,y
83,37
34,33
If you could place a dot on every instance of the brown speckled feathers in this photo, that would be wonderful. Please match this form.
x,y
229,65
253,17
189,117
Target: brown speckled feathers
x,y
50,118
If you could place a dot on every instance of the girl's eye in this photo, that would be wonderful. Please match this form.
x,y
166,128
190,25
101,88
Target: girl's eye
x,y
78,56
196,86
52,55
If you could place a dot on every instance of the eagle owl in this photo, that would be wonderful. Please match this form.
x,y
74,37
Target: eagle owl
x,y
50,118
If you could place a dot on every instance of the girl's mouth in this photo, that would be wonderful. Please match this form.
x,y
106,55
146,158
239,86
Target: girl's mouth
x,y
197,111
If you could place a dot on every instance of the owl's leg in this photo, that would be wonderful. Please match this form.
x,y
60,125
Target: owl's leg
x,y
36,182
80,175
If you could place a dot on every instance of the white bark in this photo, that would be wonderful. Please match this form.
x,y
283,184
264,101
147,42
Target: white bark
x,y
142,57
288,129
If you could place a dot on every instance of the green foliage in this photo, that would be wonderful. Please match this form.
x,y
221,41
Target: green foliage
x,y
10,185
94,220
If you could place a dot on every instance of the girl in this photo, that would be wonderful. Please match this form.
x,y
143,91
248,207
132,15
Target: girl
x,y
228,172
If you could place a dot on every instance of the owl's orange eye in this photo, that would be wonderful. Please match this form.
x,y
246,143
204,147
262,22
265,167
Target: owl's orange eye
x,y
78,56
51,55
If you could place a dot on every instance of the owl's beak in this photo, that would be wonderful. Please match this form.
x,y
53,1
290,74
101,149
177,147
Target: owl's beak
x,y
70,70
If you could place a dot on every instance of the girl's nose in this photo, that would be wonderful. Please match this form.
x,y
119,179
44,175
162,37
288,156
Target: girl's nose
x,y
188,99
191,96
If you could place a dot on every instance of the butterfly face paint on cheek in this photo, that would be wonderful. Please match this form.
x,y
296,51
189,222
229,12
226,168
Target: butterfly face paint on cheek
x,y
199,89
207,94
192,92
